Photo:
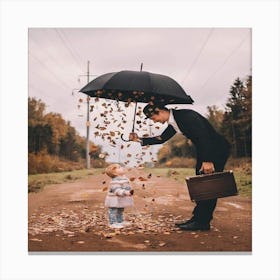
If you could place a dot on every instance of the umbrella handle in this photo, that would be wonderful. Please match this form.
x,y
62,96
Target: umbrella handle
x,y
124,139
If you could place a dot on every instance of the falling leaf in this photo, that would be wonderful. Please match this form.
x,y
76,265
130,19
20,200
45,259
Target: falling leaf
x,y
80,100
128,155
132,179
142,179
149,176
104,182
105,189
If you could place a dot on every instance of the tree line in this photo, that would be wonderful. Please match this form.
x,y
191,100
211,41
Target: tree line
x,y
49,134
234,123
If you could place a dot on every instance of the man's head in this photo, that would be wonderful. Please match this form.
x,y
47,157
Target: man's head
x,y
157,112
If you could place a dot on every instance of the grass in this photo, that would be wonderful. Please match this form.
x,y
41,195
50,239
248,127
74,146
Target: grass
x,y
243,179
37,182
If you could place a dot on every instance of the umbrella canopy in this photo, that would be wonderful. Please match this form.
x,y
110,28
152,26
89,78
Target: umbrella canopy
x,y
137,86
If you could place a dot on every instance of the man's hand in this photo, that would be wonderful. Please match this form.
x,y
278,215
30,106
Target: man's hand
x,y
207,167
133,137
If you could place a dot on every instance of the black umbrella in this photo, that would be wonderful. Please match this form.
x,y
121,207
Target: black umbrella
x,y
137,86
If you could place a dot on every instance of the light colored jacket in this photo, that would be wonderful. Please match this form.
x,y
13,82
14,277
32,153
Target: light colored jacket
x,y
118,193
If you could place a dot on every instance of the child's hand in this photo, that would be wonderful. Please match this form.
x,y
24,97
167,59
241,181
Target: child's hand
x,y
131,192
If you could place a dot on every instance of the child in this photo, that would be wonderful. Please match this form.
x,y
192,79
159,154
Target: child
x,y
119,195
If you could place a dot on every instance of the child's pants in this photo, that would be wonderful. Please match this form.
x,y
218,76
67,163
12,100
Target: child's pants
x,y
115,215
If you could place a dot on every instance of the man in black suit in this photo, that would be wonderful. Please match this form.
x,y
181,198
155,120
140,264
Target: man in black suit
x,y
212,151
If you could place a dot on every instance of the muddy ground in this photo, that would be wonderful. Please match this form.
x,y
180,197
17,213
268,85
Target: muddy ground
x,y
71,217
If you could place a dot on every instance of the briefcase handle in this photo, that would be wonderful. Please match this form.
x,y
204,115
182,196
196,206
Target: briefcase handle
x,y
200,172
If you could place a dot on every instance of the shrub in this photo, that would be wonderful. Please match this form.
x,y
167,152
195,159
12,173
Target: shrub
x,y
45,163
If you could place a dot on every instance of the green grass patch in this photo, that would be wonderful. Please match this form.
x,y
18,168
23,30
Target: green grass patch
x,y
38,181
243,179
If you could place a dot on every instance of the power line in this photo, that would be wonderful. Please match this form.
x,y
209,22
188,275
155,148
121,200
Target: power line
x,y
76,53
198,54
51,72
224,62
54,59
67,47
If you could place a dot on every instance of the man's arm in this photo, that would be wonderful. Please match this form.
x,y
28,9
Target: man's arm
x,y
166,135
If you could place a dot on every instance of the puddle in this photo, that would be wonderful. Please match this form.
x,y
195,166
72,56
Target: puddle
x,y
127,244
234,205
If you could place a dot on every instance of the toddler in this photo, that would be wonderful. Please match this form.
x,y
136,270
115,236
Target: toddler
x,y
119,195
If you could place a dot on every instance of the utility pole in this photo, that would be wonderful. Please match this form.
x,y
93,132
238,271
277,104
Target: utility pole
x,y
87,124
87,121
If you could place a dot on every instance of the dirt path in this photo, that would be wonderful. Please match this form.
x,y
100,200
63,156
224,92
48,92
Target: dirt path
x,y
72,217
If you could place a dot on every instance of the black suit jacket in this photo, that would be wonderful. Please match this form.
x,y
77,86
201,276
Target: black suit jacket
x,y
210,146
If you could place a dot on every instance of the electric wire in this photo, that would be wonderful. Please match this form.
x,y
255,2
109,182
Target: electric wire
x,y
47,68
76,53
53,58
67,47
225,61
198,54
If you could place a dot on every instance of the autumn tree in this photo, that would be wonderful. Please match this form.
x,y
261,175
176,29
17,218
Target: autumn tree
x,y
51,133
177,146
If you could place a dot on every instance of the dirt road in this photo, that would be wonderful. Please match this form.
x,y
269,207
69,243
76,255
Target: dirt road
x,y
71,217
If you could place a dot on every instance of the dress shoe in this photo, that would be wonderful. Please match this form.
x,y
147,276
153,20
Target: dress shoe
x,y
195,226
185,222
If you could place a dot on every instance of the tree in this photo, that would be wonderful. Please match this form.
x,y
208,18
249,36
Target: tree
x,y
215,116
237,120
36,110
177,146
51,133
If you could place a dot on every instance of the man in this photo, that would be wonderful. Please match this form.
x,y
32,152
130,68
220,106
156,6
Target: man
x,y
212,151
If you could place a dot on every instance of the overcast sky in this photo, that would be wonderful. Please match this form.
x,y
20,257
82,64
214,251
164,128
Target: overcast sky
x,y
205,61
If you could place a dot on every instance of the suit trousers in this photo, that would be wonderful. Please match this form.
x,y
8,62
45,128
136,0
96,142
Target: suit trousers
x,y
203,211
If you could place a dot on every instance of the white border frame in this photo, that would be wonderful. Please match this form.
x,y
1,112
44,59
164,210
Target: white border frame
x,y
18,16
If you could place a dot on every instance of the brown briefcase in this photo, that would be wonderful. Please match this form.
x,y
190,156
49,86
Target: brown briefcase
x,y
209,186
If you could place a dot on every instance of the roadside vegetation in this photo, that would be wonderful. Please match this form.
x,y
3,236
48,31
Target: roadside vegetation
x,y
37,182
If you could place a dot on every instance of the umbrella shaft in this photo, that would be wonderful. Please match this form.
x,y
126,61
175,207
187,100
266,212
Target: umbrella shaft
x,y
134,116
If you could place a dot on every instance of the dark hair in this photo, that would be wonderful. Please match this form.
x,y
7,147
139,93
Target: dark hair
x,y
150,110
